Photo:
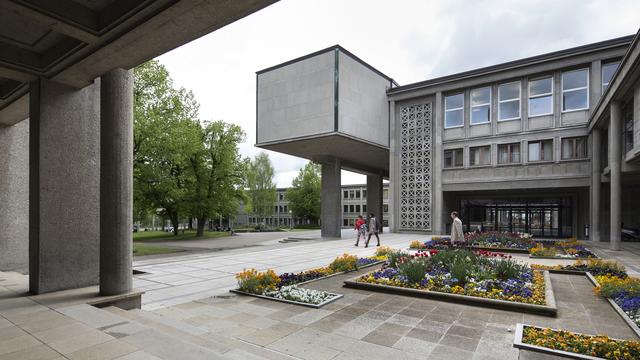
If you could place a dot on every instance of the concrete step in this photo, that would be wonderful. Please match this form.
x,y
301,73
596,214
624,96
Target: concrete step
x,y
189,335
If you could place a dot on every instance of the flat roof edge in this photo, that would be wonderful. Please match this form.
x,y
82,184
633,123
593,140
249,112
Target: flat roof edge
x,y
597,46
325,50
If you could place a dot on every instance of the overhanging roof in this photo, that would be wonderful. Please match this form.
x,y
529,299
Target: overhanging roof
x,y
75,41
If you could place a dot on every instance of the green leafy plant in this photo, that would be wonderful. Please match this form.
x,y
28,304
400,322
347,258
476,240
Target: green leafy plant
x,y
256,282
413,269
394,256
508,269
459,269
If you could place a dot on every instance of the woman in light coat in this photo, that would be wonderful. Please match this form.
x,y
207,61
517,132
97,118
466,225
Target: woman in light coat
x,y
457,235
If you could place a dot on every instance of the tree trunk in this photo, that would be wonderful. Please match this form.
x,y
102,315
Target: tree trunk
x,y
191,223
200,230
174,222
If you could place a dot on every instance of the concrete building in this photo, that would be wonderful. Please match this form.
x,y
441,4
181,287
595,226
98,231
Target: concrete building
x,y
354,203
544,145
66,126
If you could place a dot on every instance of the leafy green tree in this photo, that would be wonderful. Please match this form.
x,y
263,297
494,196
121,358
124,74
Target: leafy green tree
x,y
261,185
165,136
218,172
304,195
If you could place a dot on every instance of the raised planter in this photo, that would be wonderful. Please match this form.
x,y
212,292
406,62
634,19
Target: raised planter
x,y
517,343
339,273
617,308
501,250
548,310
561,258
315,306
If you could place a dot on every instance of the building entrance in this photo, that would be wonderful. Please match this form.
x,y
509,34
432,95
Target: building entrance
x,y
541,218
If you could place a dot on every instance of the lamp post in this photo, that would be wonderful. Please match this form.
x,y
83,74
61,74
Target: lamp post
x,y
290,220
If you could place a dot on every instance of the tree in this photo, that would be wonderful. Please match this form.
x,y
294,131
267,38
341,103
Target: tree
x,y
218,172
304,195
262,189
165,136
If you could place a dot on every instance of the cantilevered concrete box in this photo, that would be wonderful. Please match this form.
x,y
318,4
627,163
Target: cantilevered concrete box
x,y
326,104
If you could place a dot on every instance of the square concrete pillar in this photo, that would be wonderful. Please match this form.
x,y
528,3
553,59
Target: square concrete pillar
x,y
14,197
615,167
64,186
374,197
330,199
596,156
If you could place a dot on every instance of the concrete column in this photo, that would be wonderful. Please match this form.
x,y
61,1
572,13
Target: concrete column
x,y
14,197
64,186
330,212
596,146
116,182
374,196
615,156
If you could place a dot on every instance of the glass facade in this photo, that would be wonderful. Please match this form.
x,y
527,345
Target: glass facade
x,y
549,217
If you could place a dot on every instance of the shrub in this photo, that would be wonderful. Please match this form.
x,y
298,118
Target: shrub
x,y
413,269
508,269
383,251
256,282
396,255
345,262
416,244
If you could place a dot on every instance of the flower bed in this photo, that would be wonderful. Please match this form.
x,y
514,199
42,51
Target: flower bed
x,y
575,345
480,275
284,287
571,249
623,292
594,266
496,241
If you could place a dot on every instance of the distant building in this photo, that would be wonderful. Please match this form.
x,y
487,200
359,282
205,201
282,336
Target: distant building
x,y
354,203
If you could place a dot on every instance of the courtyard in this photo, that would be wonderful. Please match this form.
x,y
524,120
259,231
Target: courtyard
x,y
188,313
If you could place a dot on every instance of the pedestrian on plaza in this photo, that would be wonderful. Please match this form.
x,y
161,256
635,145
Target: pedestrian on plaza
x,y
373,229
457,235
361,229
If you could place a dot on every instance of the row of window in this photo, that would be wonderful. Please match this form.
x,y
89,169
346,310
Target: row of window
x,y
575,96
281,209
351,222
542,150
353,194
356,208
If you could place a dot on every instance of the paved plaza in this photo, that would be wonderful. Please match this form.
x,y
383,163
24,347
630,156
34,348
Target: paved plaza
x,y
188,313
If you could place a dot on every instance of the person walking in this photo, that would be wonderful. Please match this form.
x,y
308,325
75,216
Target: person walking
x,y
361,228
457,235
373,229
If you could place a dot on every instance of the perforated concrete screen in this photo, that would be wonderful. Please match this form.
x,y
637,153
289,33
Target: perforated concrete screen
x,y
415,167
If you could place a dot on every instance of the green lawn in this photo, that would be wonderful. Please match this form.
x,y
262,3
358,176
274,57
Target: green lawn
x,y
144,249
151,236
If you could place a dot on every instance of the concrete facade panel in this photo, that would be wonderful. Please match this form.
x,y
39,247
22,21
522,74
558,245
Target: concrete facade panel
x,y
540,122
14,197
64,186
574,118
296,100
540,172
480,130
509,126
363,109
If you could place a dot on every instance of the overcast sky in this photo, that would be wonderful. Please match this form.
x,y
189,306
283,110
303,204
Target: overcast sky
x,y
409,41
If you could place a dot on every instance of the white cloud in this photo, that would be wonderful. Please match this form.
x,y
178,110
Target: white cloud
x,y
407,40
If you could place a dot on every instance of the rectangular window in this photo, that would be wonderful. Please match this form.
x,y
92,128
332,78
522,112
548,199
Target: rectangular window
x,y
286,209
345,208
454,111
345,222
541,96
364,208
481,105
357,208
480,155
574,148
357,194
351,208
385,193
364,194
541,150
385,208
608,70
276,208
509,153
509,101
351,194
345,194
453,158
575,90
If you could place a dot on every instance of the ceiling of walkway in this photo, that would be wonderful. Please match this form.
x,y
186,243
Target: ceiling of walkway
x,y
75,41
